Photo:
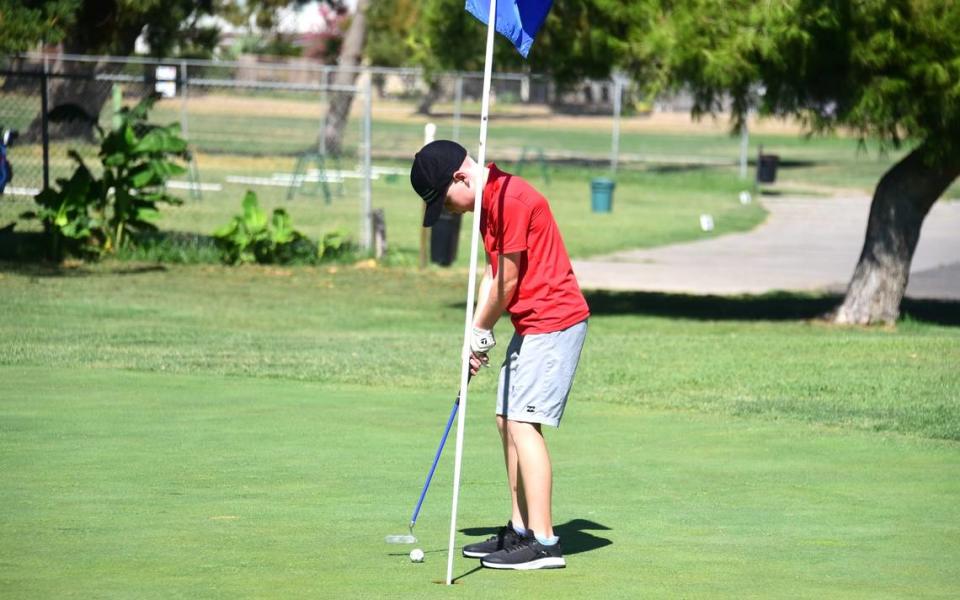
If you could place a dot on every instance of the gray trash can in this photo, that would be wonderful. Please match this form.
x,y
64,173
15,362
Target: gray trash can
x,y
767,168
444,236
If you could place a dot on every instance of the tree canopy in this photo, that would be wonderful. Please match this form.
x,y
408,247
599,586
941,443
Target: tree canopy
x,y
112,26
24,23
580,39
889,69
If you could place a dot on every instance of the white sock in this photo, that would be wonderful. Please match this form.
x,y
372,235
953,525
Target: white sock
x,y
521,531
548,541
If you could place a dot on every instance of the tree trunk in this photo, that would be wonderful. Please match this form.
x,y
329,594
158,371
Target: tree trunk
x,y
100,28
434,90
351,53
75,86
900,203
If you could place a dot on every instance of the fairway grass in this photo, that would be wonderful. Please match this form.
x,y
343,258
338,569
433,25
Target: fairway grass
x,y
214,432
149,485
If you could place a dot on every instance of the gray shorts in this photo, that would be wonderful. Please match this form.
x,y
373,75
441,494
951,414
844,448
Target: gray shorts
x,y
537,375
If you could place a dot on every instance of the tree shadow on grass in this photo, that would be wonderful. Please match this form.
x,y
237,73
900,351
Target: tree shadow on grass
x,y
50,269
777,306
28,253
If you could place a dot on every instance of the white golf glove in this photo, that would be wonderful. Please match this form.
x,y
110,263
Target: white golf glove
x,y
482,340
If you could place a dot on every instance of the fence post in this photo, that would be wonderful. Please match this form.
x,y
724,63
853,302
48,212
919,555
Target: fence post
x,y
458,100
366,222
744,142
44,124
615,150
322,138
184,116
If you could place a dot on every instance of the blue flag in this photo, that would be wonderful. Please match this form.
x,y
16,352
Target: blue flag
x,y
517,20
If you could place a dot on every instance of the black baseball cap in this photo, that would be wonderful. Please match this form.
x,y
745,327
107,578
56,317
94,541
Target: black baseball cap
x,y
432,173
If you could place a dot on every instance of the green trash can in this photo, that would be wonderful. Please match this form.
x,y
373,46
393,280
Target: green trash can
x,y
601,194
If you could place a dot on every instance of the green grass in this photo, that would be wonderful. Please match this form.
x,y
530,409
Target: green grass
x,y
206,432
215,487
736,357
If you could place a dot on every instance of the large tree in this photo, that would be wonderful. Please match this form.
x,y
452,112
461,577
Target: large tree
x,y
887,69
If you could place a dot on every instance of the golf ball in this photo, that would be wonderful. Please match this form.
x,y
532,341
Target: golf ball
x,y
416,555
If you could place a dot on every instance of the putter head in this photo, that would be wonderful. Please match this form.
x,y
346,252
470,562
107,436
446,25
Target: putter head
x,y
407,538
401,539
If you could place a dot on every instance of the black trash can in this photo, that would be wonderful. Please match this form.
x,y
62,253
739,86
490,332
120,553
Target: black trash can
x,y
444,236
767,168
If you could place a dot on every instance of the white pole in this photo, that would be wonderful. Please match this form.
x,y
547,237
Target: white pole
x,y
615,151
471,282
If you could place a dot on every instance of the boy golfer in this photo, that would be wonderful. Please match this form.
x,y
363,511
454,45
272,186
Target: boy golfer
x,y
529,275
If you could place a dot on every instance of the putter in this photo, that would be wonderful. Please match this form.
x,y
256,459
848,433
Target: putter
x,y
409,538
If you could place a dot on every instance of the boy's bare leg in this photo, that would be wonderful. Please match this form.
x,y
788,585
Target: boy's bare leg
x,y
535,473
517,497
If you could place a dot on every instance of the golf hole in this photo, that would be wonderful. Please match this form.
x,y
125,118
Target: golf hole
x,y
443,582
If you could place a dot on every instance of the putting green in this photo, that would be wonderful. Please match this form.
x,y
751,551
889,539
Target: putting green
x,y
129,484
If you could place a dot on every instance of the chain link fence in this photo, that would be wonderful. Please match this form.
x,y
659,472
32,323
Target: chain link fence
x,y
260,133
531,110
20,104
256,124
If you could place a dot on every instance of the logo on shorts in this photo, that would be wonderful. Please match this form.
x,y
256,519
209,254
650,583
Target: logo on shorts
x,y
531,408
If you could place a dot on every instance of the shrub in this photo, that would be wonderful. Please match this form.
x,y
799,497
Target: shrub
x,y
90,216
252,238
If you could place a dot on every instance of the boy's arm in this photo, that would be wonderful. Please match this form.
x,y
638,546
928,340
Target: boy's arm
x,y
483,294
496,292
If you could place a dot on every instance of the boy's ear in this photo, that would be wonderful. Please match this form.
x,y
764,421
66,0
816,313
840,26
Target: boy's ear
x,y
461,175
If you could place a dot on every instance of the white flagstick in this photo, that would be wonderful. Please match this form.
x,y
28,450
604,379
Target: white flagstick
x,y
471,282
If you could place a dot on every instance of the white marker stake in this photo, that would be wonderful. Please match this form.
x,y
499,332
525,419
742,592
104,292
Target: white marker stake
x,y
471,283
706,222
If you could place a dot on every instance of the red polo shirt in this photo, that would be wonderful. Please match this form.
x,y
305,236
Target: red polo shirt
x,y
517,218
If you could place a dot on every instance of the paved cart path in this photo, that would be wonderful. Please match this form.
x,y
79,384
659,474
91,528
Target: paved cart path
x,y
806,244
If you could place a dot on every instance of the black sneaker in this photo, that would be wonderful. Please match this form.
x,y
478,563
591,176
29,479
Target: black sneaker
x,y
507,537
529,554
